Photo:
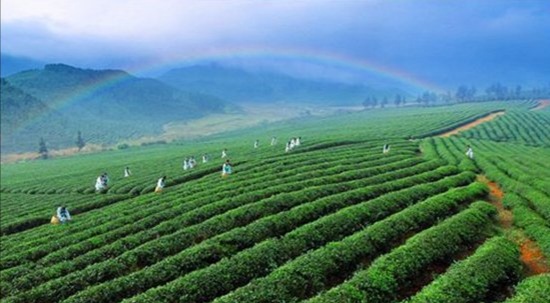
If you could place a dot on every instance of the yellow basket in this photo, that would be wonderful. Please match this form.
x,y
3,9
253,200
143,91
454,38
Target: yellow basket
x,y
54,220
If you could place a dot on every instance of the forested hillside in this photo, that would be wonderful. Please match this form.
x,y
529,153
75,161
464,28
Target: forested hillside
x,y
106,105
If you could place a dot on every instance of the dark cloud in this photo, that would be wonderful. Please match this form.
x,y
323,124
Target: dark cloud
x,y
445,42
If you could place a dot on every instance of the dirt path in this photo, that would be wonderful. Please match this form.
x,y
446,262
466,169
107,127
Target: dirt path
x,y
530,253
496,194
472,124
532,257
542,104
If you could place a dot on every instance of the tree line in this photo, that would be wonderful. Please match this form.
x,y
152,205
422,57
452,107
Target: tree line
x,y
43,149
463,93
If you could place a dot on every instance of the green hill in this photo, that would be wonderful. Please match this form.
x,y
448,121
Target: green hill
x,y
106,105
25,119
18,107
113,94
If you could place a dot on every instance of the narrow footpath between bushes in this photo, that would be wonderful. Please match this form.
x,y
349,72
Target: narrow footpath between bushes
x,y
530,253
472,124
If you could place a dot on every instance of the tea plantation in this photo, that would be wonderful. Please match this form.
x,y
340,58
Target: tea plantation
x,y
333,220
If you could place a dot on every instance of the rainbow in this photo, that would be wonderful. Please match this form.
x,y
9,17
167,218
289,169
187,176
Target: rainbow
x,y
317,57
75,96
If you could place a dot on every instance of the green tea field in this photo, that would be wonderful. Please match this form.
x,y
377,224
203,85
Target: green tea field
x,y
333,220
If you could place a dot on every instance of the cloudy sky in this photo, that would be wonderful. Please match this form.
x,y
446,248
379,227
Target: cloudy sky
x,y
441,42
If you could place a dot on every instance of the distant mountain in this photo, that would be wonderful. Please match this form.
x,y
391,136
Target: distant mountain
x,y
238,85
13,64
17,107
25,119
106,105
113,94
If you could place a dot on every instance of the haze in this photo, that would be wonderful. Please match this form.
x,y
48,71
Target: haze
x,y
445,43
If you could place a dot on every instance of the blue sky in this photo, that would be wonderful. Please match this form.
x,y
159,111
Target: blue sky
x,y
442,42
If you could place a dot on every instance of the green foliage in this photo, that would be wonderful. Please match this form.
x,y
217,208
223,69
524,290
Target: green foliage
x,y
251,263
535,289
334,218
529,128
314,271
107,105
534,225
17,107
512,166
496,261
381,281
523,173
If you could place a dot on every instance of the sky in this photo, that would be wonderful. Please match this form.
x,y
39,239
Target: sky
x,y
445,43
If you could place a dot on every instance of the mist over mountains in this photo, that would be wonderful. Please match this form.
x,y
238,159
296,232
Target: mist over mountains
x,y
17,107
108,106
112,94
240,85
10,64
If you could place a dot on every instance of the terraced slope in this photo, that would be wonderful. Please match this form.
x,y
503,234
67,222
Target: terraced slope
x,y
335,220
524,127
505,153
523,173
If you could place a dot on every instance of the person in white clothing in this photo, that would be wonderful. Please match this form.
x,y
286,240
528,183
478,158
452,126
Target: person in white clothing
x,y
226,168
224,153
185,164
63,214
105,180
470,152
160,184
297,141
100,183
386,149
256,144
204,158
273,141
127,172
287,147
